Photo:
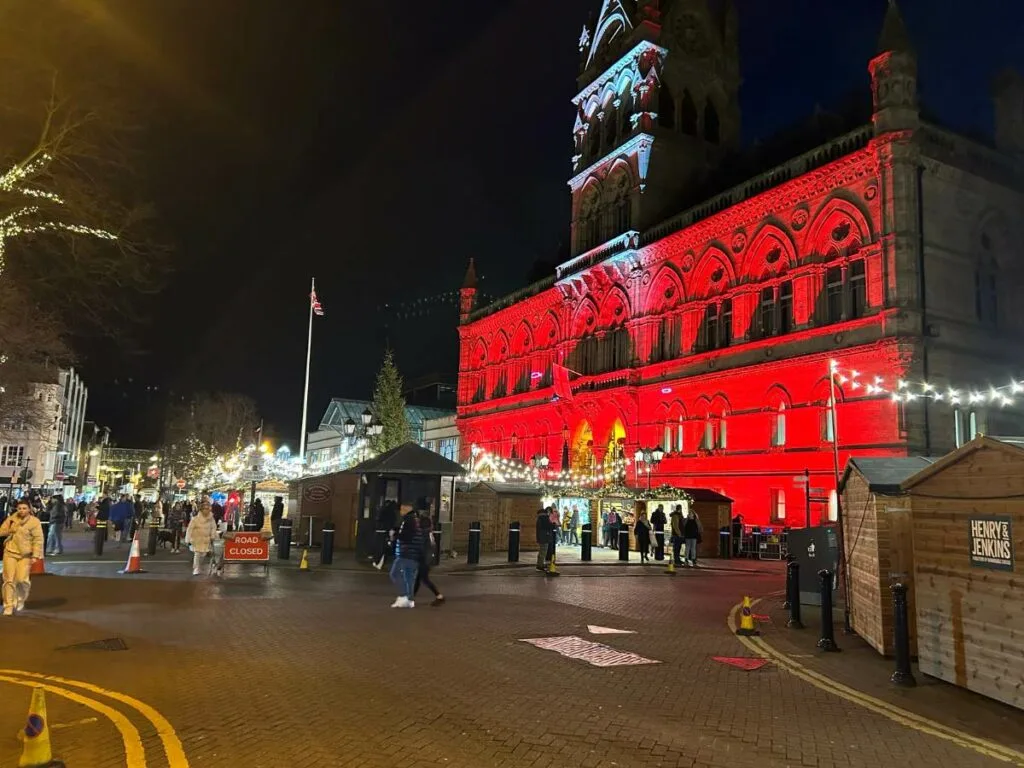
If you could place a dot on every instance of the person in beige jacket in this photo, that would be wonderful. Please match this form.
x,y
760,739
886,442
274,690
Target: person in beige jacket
x,y
201,534
23,547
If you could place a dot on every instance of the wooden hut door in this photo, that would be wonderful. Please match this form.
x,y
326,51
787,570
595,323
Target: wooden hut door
x,y
501,521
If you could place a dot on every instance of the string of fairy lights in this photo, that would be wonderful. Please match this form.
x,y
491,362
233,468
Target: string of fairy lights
x,y
484,465
904,391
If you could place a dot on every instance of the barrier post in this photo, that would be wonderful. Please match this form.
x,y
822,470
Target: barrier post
x,y
586,542
789,585
98,537
513,542
327,544
724,542
901,635
284,543
659,545
154,535
438,548
624,545
473,555
793,588
756,554
827,642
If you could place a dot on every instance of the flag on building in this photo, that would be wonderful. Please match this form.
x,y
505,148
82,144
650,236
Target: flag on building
x,y
318,310
560,374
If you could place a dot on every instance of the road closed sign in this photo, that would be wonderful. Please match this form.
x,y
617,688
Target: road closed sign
x,y
247,548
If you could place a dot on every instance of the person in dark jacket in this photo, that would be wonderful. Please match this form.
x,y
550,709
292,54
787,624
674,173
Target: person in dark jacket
x,y
259,514
658,521
691,534
276,515
408,553
423,574
642,533
543,538
677,533
387,524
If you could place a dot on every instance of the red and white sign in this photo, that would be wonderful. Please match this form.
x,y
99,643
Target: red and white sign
x,y
181,484
247,548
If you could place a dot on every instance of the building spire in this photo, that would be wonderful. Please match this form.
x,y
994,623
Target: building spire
x,y
469,281
467,294
894,37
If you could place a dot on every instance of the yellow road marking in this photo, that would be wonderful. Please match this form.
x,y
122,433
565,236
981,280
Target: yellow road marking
x,y
903,717
83,721
135,754
168,736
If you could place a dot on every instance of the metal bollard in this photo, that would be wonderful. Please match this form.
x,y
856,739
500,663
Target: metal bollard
x,y
789,584
901,635
153,540
250,527
624,545
513,542
659,545
756,554
586,543
98,537
284,540
473,555
327,544
827,642
793,593
380,540
724,543
438,548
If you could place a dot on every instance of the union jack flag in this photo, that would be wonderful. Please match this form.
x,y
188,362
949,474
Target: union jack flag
x,y
318,310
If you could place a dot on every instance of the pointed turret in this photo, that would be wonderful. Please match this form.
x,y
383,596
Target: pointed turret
x,y
467,293
894,77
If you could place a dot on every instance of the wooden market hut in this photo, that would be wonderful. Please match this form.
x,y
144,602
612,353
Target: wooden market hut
x,y
879,549
714,510
967,521
325,498
494,505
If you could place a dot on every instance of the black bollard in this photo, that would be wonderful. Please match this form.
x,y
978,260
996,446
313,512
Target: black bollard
x,y
437,545
153,540
789,585
46,534
284,540
327,544
624,545
756,554
473,555
98,537
513,542
901,636
380,539
724,543
793,592
659,545
250,527
586,543
827,642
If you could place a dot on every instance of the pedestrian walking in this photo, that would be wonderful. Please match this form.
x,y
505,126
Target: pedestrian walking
x,y
544,539
676,519
276,515
408,553
202,532
426,558
55,538
23,547
642,532
691,534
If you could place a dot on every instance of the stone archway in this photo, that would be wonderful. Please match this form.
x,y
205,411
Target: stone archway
x,y
581,450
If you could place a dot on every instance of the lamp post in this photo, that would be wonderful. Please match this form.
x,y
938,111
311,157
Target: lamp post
x,y
650,458
540,463
370,427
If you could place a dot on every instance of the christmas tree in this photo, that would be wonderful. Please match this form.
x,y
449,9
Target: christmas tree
x,y
389,408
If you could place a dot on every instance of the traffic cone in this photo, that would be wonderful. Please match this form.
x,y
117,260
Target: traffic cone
x,y
671,570
552,568
35,750
38,568
747,627
304,563
134,564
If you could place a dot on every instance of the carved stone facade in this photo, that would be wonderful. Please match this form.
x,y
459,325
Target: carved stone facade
x,y
713,335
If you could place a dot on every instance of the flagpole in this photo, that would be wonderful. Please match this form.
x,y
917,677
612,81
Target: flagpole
x,y
305,393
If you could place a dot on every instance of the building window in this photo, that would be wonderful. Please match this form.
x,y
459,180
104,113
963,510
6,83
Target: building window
x,y
712,128
720,443
779,426
725,324
666,107
828,424
707,441
666,438
622,217
709,328
679,436
688,121
778,501
858,288
671,337
767,313
833,506
786,307
12,455
834,295
986,294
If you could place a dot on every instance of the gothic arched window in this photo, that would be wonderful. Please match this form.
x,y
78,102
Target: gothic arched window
x,y
986,292
666,108
688,115
712,126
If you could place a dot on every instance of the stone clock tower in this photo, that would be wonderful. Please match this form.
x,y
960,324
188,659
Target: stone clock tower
x,y
656,111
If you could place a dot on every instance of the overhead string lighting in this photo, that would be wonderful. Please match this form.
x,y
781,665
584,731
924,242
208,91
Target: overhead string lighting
x,y
484,465
904,391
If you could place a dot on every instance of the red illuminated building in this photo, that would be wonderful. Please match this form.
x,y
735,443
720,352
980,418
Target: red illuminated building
x,y
710,333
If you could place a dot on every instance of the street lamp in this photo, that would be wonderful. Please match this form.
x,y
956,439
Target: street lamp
x,y
370,427
540,463
650,458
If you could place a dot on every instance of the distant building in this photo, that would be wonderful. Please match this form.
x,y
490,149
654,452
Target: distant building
x,y
433,391
95,440
74,396
329,444
441,435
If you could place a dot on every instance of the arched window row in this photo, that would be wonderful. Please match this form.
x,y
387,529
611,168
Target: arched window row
x,y
684,115
608,125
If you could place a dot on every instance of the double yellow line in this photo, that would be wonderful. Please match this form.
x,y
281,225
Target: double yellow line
x,y
762,649
86,693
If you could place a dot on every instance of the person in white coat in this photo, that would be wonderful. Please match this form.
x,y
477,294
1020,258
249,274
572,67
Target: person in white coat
x,y
201,534
23,547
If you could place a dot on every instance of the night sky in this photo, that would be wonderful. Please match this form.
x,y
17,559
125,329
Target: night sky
x,y
378,146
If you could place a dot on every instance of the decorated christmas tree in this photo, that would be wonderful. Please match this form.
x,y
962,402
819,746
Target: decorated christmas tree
x,y
389,408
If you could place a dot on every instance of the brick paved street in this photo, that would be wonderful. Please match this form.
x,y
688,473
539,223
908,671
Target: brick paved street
x,y
314,669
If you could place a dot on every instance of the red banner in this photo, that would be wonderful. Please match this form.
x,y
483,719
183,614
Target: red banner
x,y
560,374
246,548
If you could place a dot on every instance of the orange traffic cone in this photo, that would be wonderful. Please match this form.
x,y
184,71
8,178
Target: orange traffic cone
x,y
39,566
134,564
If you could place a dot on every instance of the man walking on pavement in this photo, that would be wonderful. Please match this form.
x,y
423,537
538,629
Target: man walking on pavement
x,y
544,537
23,547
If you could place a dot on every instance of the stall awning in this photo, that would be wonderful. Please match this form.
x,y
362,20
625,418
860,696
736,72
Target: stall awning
x,y
409,459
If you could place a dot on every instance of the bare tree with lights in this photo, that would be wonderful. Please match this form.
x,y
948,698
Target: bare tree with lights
x,y
389,408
